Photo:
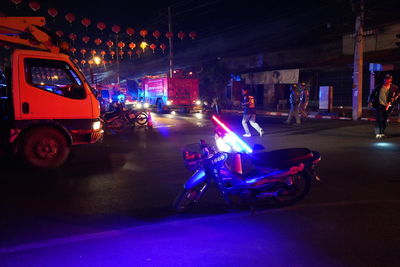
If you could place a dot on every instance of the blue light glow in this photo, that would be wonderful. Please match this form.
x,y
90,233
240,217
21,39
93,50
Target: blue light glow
x,y
383,144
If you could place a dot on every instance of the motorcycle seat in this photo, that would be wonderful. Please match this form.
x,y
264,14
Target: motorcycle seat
x,y
283,158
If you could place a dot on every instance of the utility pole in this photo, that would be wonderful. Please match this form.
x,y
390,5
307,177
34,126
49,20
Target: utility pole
x,y
170,42
117,55
358,8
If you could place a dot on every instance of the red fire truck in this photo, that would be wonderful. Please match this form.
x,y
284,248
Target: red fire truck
x,y
172,94
46,104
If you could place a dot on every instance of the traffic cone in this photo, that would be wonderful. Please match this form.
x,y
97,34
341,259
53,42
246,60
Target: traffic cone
x,y
237,164
149,120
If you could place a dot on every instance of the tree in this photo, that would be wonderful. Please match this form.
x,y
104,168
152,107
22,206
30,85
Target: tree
x,y
213,80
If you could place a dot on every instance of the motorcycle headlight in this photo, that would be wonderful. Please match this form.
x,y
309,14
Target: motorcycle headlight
x,y
146,105
139,105
96,125
222,145
198,102
169,103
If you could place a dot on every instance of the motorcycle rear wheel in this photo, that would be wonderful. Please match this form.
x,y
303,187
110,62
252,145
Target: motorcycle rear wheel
x,y
295,192
188,198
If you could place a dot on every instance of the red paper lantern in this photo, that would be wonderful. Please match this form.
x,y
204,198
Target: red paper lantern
x,y
76,61
130,53
103,53
110,44
112,53
143,33
86,39
193,35
59,33
101,26
86,22
35,6
104,62
70,17
121,45
130,31
73,50
153,47
72,36
181,35
98,41
169,35
90,62
116,29
83,51
83,62
156,34
163,47
121,53
52,12
132,45
138,52
93,52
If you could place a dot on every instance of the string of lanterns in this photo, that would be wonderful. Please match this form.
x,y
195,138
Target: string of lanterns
x,y
128,47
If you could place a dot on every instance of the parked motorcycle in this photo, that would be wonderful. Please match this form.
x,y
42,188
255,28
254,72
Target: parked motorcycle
x,y
120,120
244,176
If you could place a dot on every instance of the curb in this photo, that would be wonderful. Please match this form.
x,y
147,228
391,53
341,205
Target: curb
x,y
284,114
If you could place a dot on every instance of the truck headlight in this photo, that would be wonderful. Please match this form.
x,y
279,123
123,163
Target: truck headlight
x,y
198,102
169,103
139,105
146,105
96,125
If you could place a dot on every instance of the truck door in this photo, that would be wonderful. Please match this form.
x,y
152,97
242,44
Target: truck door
x,y
51,89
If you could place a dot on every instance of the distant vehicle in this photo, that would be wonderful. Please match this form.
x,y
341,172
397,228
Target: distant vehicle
x,y
46,103
168,94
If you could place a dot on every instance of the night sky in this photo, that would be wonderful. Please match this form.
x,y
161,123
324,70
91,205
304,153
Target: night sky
x,y
225,28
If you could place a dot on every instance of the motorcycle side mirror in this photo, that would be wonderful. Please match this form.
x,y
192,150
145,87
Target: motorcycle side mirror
x,y
258,147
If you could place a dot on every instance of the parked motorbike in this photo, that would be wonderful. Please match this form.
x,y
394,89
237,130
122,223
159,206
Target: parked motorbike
x,y
120,120
243,175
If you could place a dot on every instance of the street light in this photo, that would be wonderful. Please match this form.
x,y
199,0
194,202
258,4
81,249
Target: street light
x,y
97,60
143,45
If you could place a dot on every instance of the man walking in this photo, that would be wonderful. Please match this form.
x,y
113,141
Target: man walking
x,y
249,113
294,104
383,98
304,99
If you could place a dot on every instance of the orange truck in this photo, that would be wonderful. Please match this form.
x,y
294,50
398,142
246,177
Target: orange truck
x,y
46,104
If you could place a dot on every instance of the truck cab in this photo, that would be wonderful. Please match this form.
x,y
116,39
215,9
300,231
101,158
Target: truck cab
x,y
47,104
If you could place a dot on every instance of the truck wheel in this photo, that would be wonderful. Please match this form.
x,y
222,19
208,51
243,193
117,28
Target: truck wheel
x,y
44,148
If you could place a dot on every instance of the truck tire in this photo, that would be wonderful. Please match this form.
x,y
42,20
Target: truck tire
x,y
44,147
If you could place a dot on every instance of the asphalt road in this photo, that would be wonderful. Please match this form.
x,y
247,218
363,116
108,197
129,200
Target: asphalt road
x,y
110,205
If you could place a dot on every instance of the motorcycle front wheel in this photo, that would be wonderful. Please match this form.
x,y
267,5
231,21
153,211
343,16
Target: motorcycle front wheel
x,y
142,119
186,200
290,194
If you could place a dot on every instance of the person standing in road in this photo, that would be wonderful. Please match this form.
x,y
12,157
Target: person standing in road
x,y
249,113
304,99
383,98
294,104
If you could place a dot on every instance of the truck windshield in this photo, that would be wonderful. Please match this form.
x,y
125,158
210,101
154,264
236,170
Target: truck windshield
x,y
83,77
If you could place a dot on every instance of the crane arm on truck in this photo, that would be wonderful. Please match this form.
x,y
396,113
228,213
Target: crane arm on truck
x,y
26,32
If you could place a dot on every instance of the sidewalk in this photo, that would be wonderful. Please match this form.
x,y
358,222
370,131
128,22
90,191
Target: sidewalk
x,y
367,115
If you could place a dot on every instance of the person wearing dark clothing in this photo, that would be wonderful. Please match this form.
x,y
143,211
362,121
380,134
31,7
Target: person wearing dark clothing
x,y
294,99
383,98
249,113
